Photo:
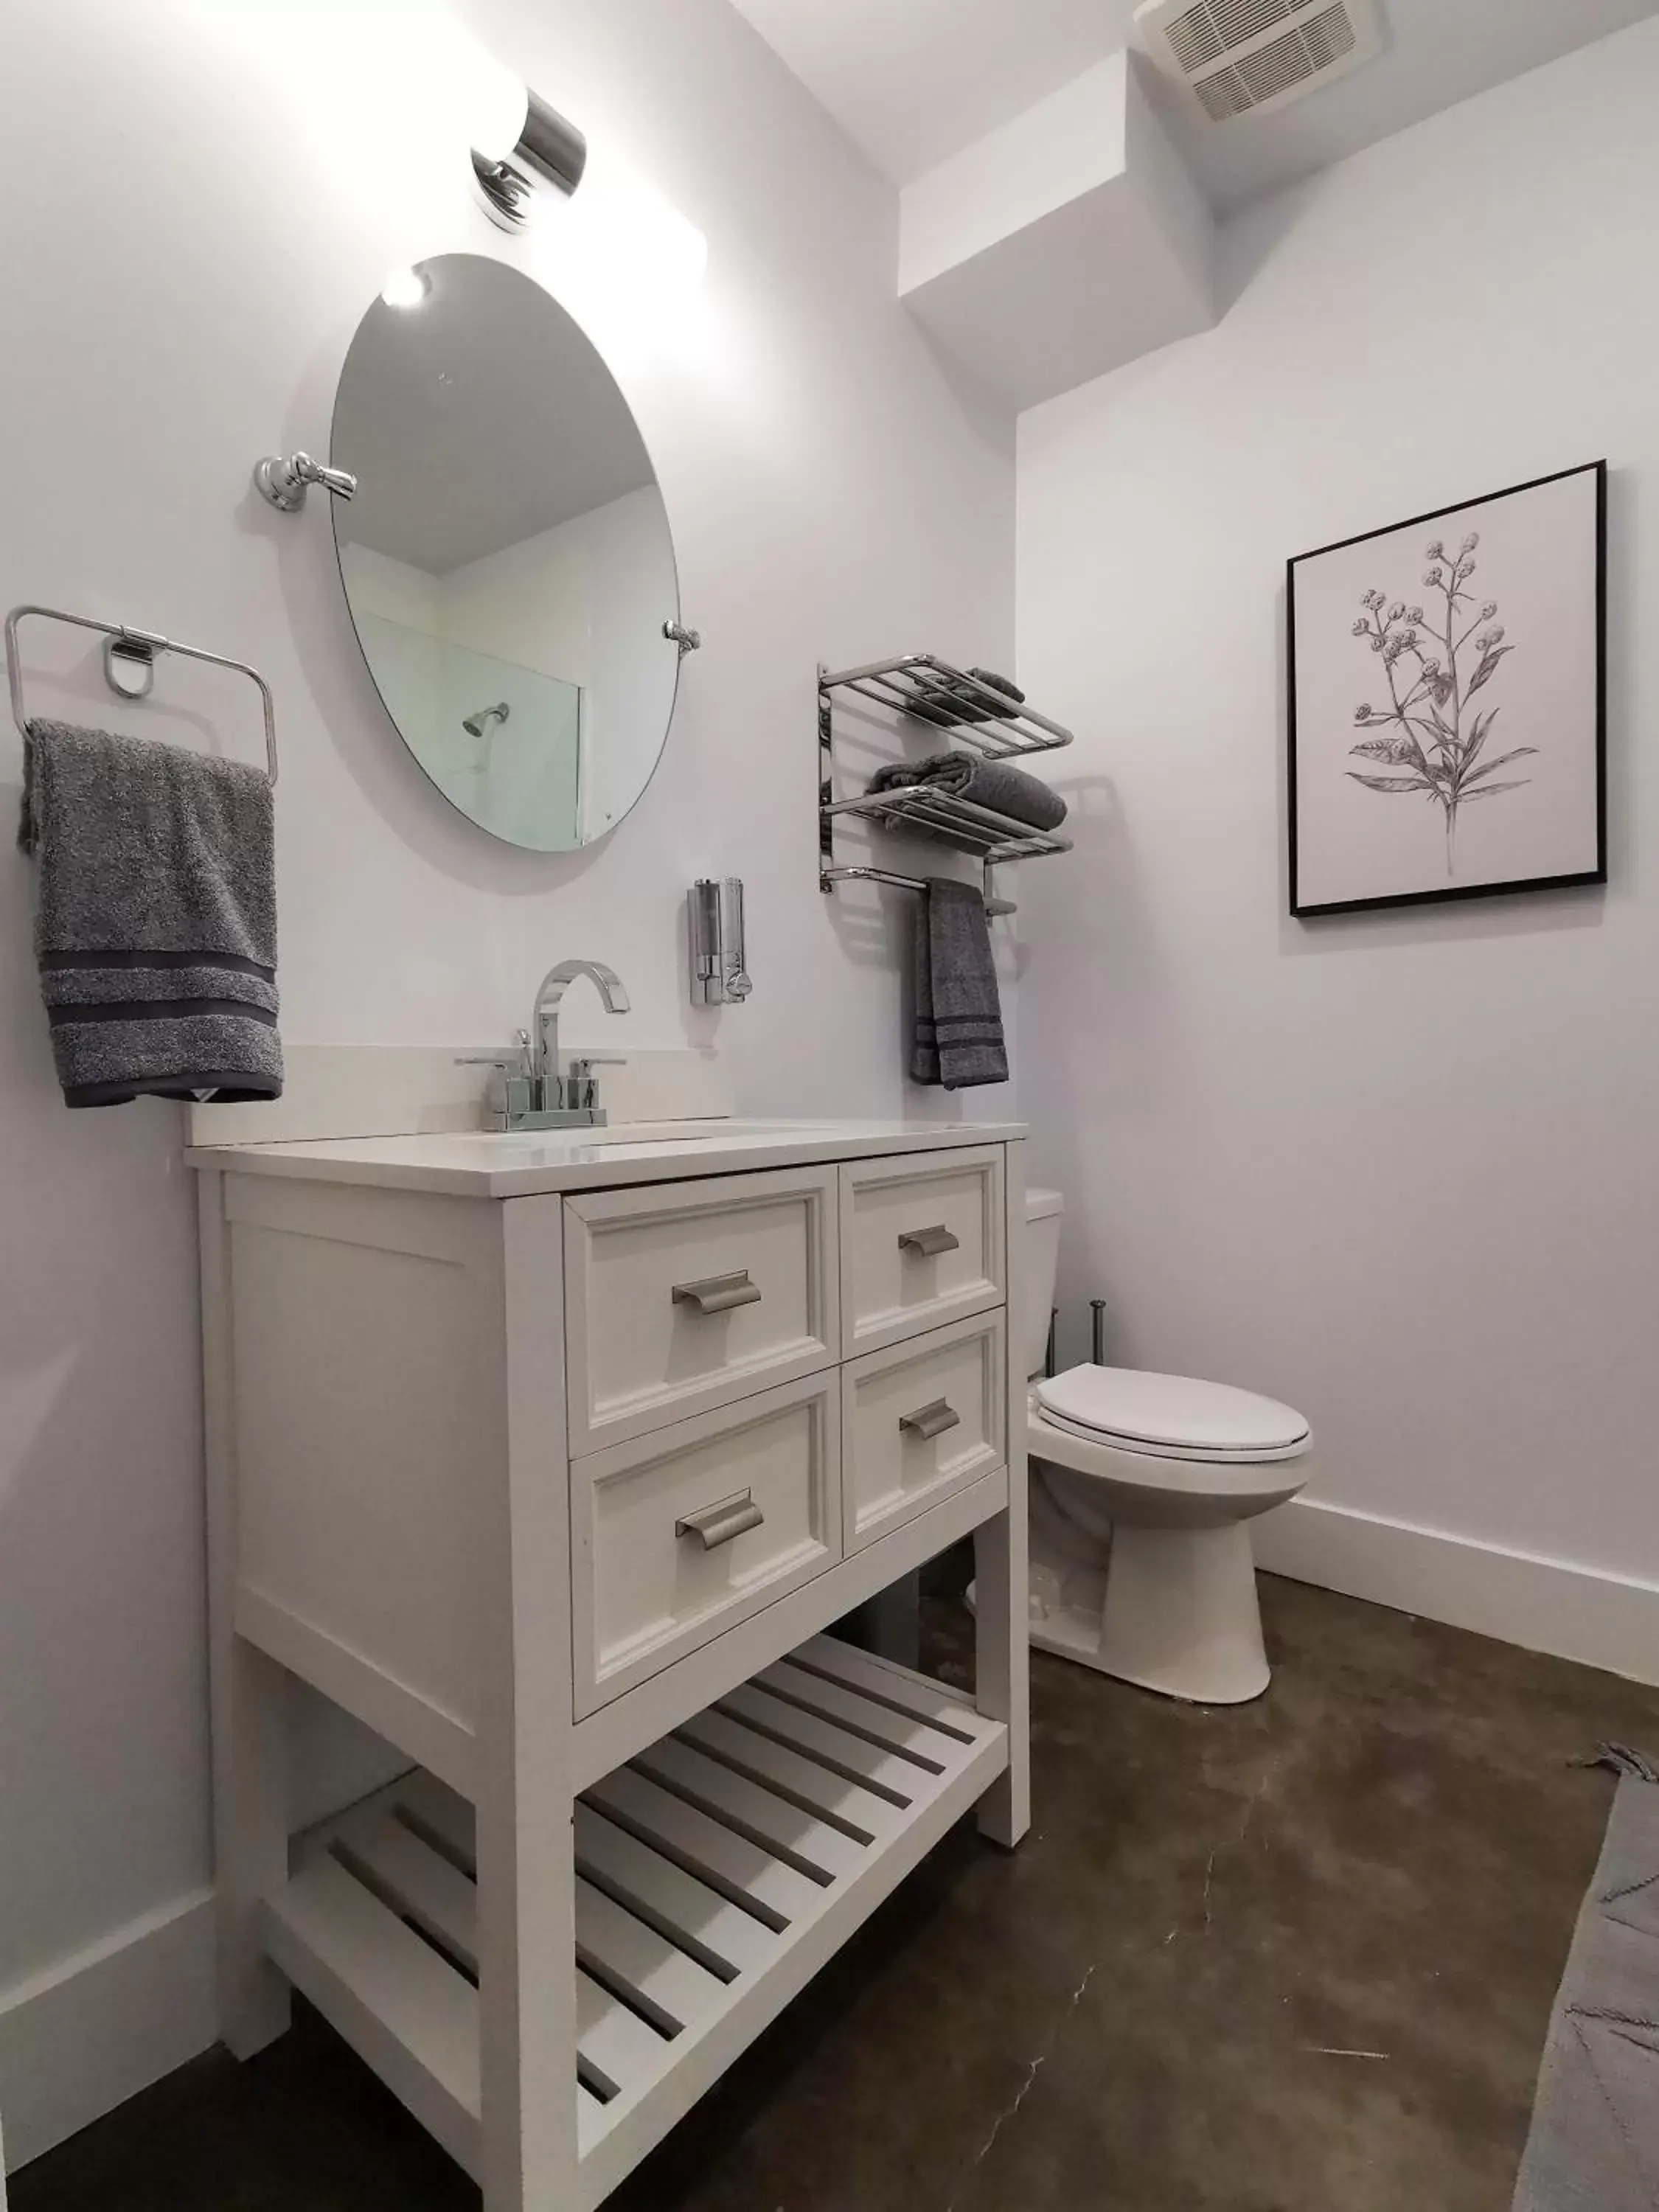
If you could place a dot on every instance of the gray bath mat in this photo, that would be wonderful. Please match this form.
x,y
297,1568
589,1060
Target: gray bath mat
x,y
1594,2140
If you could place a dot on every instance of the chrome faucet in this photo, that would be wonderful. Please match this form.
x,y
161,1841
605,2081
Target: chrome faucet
x,y
527,1091
545,1021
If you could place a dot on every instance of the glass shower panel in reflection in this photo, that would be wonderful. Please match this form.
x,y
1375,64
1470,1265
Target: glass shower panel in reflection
x,y
500,741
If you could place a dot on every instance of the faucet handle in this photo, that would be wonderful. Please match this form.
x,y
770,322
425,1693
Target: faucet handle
x,y
521,1060
577,1088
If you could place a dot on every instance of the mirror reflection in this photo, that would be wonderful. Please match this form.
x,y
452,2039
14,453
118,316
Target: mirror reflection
x,y
507,558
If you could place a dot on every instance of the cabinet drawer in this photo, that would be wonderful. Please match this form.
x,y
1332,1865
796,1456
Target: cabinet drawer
x,y
921,1243
683,1297
677,1536
918,1421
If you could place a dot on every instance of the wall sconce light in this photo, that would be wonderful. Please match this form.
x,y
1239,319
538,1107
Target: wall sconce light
x,y
548,146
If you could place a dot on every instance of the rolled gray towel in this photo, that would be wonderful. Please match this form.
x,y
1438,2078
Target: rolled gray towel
x,y
990,783
155,925
957,1041
947,704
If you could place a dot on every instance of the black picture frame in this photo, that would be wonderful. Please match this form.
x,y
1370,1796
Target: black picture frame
x,y
1302,910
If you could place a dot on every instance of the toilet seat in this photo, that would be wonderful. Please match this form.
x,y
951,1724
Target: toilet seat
x,y
1171,1416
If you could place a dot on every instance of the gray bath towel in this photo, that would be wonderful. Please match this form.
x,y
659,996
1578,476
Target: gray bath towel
x,y
1594,2141
959,1014
155,925
990,783
948,704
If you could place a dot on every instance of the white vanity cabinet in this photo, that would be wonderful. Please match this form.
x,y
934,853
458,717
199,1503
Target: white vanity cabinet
x,y
554,1462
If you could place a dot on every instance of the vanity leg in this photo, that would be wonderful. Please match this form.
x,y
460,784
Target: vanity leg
x,y
526,2000
250,1831
1001,1667
249,1697
1001,1574
527,1855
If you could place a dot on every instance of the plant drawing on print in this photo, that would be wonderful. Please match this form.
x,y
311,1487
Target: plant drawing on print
x,y
1439,735
1438,666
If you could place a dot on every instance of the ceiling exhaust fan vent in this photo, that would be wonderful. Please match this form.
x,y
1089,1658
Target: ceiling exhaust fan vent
x,y
1248,56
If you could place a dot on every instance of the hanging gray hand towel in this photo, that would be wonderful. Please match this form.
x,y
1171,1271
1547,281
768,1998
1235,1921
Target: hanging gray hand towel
x,y
958,1040
155,925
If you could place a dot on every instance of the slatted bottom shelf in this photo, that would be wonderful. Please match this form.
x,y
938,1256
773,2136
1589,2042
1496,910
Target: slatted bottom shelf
x,y
716,1874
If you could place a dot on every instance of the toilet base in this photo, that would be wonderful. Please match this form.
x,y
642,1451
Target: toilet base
x,y
1179,1616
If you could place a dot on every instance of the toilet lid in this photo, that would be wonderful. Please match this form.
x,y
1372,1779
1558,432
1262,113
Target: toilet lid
x,y
1170,1413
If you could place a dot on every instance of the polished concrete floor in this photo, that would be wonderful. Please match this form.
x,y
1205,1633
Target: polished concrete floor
x,y
1289,1958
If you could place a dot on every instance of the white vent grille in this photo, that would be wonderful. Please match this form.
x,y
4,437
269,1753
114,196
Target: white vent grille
x,y
1239,20
1223,95
1272,69
1248,56
1330,36
1194,40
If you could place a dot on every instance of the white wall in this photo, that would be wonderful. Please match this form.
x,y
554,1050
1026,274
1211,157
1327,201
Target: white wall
x,y
202,196
1400,1169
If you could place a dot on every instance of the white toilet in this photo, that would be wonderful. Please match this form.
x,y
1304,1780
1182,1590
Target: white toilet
x,y
1141,1486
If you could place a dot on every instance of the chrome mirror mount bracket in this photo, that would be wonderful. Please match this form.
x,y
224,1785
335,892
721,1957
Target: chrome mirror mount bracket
x,y
285,482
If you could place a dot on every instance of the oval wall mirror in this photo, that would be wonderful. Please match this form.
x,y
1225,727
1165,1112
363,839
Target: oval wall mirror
x,y
508,557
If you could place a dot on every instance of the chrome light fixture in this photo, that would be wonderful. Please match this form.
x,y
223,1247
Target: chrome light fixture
x,y
548,146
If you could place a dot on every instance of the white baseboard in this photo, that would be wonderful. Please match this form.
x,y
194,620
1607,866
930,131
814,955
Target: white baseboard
x,y
94,2029
1543,1605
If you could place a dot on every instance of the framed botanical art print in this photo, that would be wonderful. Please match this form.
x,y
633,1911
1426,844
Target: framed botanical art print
x,y
1448,703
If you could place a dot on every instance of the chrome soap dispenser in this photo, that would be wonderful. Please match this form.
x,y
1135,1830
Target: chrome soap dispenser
x,y
714,935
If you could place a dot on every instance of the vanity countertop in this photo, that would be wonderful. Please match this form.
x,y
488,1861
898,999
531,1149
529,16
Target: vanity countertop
x,y
476,1163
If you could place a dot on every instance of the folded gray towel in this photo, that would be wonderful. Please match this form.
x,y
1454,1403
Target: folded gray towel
x,y
948,704
990,783
957,1041
155,925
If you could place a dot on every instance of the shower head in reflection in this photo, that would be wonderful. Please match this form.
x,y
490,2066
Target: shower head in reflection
x,y
478,725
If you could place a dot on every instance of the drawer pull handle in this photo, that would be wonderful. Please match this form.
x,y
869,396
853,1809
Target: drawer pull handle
x,y
718,1294
931,1421
928,1243
714,1525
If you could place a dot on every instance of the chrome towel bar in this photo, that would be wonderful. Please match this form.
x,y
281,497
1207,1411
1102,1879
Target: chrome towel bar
x,y
993,907
132,653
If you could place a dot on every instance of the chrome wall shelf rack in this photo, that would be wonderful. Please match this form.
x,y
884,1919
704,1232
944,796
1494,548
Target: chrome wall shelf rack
x,y
970,713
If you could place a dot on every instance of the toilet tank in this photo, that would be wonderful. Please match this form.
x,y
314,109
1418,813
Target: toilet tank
x,y
1043,1209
